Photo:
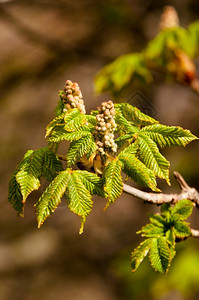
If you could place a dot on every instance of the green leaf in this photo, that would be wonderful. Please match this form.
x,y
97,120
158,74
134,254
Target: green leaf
x,y
51,197
120,72
140,253
60,106
59,134
30,172
138,171
134,115
149,154
74,123
92,182
58,121
78,148
183,209
51,165
170,236
151,230
14,194
182,229
160,255
79,198
164,135
113,184
157,220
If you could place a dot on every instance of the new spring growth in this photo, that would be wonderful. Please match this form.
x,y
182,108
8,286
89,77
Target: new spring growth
x,y
105,127
72,97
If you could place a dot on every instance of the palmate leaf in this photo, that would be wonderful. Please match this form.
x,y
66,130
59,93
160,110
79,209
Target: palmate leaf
x,y
78,148
134,115
79,198
59,134
164,135
30,172
92,182
149,154
183,209
51,197
140,253
113,184
138,171
159,254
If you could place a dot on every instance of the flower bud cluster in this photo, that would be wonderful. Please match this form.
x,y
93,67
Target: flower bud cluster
x,y
169,18
72,96
105,127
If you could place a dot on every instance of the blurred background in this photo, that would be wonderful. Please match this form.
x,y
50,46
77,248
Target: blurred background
x,y
43,43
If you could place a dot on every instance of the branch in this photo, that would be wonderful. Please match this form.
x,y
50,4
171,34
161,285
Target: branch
x,y
187,192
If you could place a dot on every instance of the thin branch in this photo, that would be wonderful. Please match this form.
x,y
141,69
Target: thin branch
x,y
61,157
195,233
187,192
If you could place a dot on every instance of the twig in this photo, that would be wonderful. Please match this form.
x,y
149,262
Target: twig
x,y
187,192
61,157
195,233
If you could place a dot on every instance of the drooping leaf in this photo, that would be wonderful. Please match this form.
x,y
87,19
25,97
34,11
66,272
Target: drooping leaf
x,y
183,209
30,172
113,184
164,135
14,194
92,182
51,197
79,198
149,154
140,253
60,106
78,148
59,134
160,255
138,171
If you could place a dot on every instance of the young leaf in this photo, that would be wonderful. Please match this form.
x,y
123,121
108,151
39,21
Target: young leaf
x,y
149,154
182,229
160,255
79,198
170,236
140,253
92,182
51,165
157,220
134,115
30,172
59,108
78,148
164,135
138,171
58,121
151,230
113,184
51,197
59,134
183,209
75,122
